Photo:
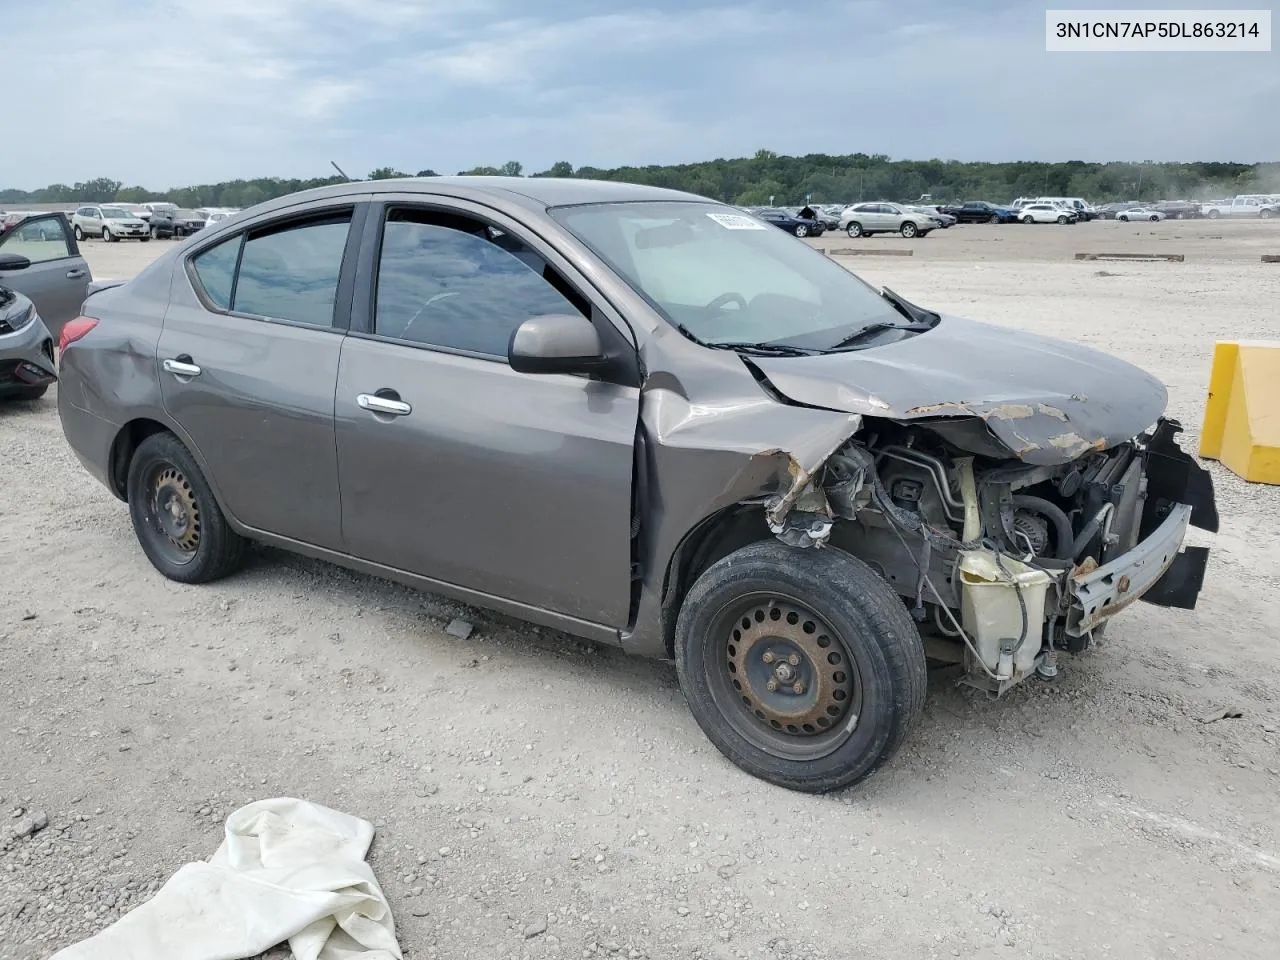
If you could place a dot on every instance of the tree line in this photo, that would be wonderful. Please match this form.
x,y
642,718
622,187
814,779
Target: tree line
x,y
768,177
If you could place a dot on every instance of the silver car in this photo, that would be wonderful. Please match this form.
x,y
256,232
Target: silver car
x,y
866,219
645,418
40,259
26,349
110,223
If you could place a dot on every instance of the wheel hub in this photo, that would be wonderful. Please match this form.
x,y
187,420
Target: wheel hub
x,y
790,671
175,510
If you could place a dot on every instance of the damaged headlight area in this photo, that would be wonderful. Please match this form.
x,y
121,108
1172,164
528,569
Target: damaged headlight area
x,y
1003,563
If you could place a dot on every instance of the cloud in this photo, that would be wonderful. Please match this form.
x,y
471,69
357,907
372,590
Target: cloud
x,y
169,92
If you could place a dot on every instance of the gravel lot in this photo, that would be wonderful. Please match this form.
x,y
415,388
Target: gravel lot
x,y
536,796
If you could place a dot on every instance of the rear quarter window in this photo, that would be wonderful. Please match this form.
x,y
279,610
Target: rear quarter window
x,y
215,270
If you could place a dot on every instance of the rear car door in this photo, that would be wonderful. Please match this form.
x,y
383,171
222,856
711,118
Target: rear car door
x,y
248,361
57,277
513,485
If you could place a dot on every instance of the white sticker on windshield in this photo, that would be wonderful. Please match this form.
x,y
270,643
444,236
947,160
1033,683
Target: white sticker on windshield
x,y
735,221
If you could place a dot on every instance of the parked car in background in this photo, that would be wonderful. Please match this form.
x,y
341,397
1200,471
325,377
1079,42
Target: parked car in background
x,y
1240,207
111,223
765,439
1178,209
1045,213
790,222
943,220
1108,211
1139,213
868,219
39,258
26,348
217,216
829,220
980,211
160,205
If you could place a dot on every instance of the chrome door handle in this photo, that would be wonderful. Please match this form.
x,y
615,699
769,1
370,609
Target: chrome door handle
x,y
75,274
376,404
180,369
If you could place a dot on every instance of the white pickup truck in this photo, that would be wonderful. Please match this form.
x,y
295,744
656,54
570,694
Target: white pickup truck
x,y
1264,207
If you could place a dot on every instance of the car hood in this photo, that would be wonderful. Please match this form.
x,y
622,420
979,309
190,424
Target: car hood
x,y
1046,400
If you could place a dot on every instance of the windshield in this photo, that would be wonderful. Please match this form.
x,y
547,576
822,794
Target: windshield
x,y
726,277
115,213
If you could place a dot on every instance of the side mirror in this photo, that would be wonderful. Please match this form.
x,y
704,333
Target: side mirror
x,y
556,343
13,261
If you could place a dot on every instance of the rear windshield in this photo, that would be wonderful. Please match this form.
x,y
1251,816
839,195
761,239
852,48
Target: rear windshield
x,y
725,276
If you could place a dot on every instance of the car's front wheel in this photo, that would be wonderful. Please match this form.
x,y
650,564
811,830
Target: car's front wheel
x,y
909,229
801,666
854,229
155,233
175,516
1153,218
995,218
1123,219
801,230
106,235
1028,220
1062,220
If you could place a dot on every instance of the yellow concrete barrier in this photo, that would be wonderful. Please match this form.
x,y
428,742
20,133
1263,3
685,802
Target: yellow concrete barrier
x,y
1242,414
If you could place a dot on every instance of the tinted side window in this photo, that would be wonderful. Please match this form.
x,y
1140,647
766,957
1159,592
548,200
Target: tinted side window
x,y
216,270
452,282
292,273
39,240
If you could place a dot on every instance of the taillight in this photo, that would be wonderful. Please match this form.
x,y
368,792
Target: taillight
x,y
73,331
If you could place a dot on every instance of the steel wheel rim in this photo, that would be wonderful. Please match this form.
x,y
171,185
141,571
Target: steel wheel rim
x,y
816,696
173,514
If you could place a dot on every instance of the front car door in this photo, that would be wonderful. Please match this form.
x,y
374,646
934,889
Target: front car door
x,y
249,357
57,280
510,485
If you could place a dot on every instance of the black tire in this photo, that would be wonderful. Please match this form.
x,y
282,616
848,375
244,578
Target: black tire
x,y
1028,219
871,635
1267,214
144,239
854,229
155,233
909,230
1122,218
205,548
25,394
77,233
106,235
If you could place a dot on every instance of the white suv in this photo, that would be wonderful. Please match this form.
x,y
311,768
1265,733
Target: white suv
x,y
1045,213
110,223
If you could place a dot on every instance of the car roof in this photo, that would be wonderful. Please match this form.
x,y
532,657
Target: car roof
x,y
544,191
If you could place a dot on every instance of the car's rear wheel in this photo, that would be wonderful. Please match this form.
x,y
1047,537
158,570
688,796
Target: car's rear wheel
x,y
77,233
1153,218
1267,214
909,229
801,666
175,516
801,230
1123,219
854,229
995,218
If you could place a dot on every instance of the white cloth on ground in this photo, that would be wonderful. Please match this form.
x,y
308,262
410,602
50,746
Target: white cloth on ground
x,y
286,870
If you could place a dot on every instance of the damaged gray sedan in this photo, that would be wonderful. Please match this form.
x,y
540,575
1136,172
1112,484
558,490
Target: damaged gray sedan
x,y
646,419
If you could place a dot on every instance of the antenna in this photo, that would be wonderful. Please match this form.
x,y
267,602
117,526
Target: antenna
x,y
342,173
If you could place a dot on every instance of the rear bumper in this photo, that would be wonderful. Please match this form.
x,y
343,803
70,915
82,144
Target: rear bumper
x,y
90,438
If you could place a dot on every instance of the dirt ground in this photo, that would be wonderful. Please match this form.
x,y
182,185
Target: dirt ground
x,y
539,797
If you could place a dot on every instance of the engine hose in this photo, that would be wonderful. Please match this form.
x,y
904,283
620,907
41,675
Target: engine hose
x,y
1063,538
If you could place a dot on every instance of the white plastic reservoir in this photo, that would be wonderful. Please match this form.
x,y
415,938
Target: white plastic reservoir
x,y
990,612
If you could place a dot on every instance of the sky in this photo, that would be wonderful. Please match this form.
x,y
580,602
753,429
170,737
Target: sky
x,y
166,93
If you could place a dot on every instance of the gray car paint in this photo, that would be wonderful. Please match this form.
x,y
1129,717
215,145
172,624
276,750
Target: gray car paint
x,y
31,344
57,287
709,435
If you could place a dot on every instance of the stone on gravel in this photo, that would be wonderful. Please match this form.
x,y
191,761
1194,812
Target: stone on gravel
x,y
30,825
535,928
459,628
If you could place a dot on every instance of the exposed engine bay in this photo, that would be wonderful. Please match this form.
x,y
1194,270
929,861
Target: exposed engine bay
x,y
1004,563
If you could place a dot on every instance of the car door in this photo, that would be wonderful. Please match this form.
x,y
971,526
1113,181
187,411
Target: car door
x,y
452,465
249,358
56,277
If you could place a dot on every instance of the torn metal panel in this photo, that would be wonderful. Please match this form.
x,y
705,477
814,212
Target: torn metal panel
x,y
1047,401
